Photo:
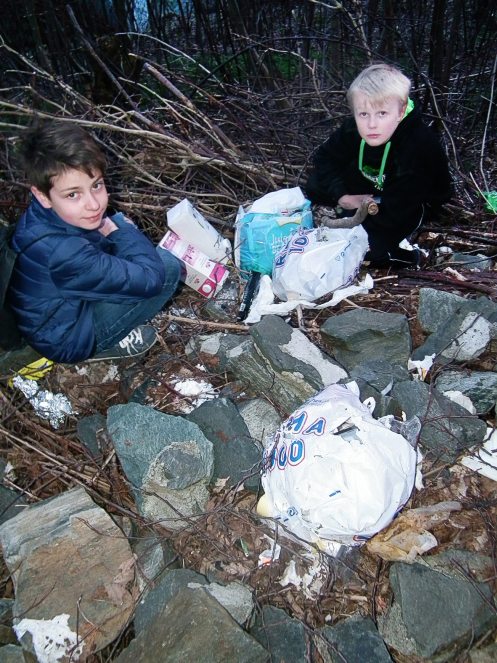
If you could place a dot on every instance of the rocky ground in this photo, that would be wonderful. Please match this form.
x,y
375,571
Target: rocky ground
x,y
226,543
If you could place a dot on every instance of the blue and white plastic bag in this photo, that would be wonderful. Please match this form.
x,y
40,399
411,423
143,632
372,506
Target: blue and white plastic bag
x,y
262,231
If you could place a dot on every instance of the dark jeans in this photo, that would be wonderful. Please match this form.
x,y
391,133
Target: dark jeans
x,y
113,322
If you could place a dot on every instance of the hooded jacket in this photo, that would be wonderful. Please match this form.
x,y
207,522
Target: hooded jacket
x,y
416,174
61,270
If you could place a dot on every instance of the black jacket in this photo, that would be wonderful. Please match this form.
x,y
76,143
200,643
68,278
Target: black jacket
x,y
416,174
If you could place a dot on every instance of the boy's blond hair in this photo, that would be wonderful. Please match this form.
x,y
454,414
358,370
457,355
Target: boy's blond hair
x,y
380,82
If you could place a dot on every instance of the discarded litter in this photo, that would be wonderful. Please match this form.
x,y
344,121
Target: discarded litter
x,y
262,231
264,301
189,224
315,263
491,201
198,271
47,405
408,535
335,474
271,554
484,460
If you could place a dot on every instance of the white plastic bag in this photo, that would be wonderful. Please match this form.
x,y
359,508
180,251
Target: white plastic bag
x,y
317,262
282,201
335,474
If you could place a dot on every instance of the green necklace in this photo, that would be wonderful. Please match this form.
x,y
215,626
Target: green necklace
x,y
378,180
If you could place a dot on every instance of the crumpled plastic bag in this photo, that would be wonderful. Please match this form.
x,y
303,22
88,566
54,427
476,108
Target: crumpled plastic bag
x,y
332,473
316,262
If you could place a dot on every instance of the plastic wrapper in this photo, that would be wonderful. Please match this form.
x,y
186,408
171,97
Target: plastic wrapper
x,y
316,262
47,405
262,231
333,474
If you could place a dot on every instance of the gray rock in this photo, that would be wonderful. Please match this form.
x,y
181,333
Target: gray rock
x,y
11,504
447,428
12,654
156,599
167,460
236,456
150,561
441,605
290,353
277,361
194,627
479,386
13,360
62,539
376,378
261,418
90,430
465,337
234,597
283,636
477,262
484,655
360,335
355,639
437,306
7,635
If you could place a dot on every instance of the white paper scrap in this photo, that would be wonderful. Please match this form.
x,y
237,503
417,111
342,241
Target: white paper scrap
x,y
52,639
484,460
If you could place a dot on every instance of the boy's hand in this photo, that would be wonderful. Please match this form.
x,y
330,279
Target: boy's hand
x,y
354,201
107,226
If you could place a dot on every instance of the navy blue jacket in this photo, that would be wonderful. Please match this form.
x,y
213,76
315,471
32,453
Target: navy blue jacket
x,y
61,270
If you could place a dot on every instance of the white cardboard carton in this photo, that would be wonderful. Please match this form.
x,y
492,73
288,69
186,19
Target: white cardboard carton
x,y
189,224
199,272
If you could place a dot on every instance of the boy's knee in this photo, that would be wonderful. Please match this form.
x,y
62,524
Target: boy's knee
x,y
172,267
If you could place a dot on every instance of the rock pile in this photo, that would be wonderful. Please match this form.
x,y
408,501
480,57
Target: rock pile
x,y
81,577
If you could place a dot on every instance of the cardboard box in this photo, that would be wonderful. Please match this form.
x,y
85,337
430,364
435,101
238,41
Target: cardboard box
x,y
199,272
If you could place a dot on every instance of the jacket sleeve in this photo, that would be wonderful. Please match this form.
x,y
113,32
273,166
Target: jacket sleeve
x,y
131,269
326,182
422,176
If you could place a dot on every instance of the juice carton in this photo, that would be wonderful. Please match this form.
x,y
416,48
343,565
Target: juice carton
x,y
199,272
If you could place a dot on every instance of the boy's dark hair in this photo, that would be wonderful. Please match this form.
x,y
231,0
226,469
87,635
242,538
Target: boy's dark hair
x,y
50,148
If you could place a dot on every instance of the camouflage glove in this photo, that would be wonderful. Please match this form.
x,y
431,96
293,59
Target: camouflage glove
x,y
367,207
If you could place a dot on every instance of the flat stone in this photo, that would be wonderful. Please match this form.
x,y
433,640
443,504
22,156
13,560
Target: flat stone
x,y
156,599
53,550
474,262
353,639
236,456
283,636
437,306
446,427
276,361
261,418
12,654
479,386
289,351
11,504
150,562
194,627
89,431
484,655
235,597
360,335
167,459
13,360
443,604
